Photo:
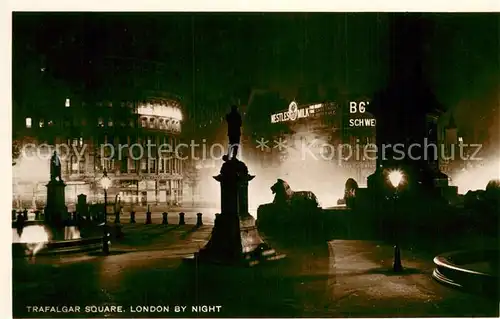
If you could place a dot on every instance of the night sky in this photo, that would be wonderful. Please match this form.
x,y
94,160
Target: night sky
x,y
212,60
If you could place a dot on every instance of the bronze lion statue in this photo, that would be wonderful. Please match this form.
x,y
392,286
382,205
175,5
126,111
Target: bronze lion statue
x,y
284,195
351,187
289,208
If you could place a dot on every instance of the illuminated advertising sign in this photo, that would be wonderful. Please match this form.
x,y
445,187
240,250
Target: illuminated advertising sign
x,y
361,122
360,108
294,113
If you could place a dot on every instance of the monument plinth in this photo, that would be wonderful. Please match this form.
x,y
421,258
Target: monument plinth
x,y
235,238
55,210
57,233
407,111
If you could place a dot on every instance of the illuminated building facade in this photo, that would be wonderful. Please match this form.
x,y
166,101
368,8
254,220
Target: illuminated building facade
x,y
358,131
121,101
332,131
454,149
112,136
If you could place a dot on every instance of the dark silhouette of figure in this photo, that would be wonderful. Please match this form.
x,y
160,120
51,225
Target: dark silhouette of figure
x,y
55,167
234,123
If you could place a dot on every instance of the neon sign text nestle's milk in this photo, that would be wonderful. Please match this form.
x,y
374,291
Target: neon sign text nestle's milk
x,y
293,113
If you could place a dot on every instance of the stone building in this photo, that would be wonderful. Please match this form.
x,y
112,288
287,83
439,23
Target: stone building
x,y
135,142
106,124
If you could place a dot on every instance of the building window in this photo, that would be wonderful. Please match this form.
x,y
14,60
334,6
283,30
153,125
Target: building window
x,y
100,122
167,124
152,165
124,165
67,103
144,122
41,123
110,122
81,165
144,165
168,165
162,165
50,123
152,123
132,164
74,165
28,122
107,164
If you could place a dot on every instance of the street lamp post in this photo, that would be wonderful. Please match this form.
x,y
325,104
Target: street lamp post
x,y
396,179
105,183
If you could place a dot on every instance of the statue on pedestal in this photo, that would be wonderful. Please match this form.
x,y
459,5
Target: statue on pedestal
x,y
234,123
55,208
55,168
235,239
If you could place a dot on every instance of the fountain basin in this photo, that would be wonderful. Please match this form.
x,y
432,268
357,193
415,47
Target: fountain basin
x,y
472,270
59,247
39,239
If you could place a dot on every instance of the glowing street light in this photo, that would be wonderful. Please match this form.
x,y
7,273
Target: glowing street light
x,y
105,183
396,178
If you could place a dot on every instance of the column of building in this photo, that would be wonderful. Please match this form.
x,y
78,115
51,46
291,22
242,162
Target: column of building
x,y
157,168
170,169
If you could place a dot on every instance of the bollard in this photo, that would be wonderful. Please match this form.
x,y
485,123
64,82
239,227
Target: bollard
x,y
148,218
132,217
181,219
20,224
37,215
165,219
199,221
105,240
74,219
397,266
119,231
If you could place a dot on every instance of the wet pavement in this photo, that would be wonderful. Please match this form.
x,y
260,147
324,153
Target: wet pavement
x,y
338,278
